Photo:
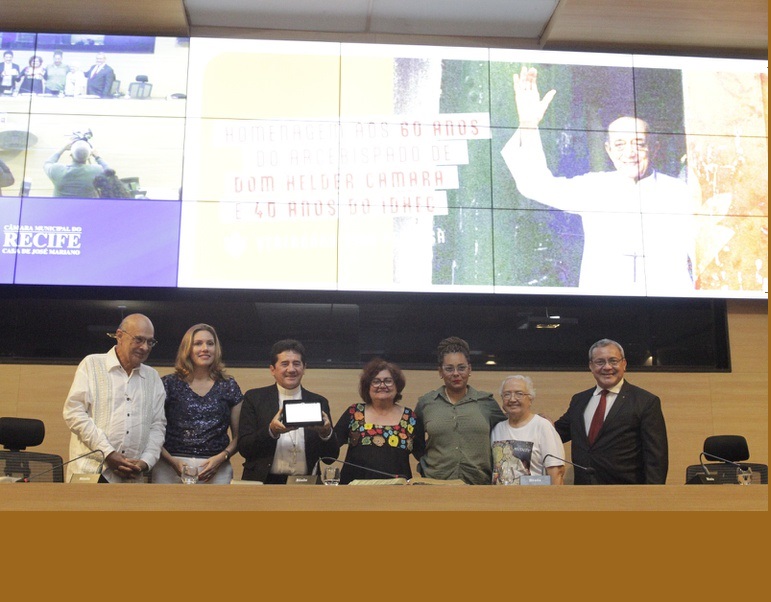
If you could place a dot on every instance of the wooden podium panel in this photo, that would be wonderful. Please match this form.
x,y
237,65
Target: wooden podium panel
x,y
65,496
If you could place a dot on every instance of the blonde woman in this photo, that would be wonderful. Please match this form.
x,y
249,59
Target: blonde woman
x,y
202,403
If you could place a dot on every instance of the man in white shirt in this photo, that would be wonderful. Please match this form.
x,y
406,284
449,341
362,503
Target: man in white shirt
x,y
115,406
638,223
274,451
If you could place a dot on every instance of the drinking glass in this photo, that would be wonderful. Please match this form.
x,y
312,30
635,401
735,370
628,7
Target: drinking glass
x,y
189,474
744,477
508,476
331,475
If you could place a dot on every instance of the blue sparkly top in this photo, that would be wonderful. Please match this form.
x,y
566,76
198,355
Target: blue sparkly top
x,y
197,427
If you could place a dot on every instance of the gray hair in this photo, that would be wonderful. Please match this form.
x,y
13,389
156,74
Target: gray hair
x,y
605,343
80,151
526,379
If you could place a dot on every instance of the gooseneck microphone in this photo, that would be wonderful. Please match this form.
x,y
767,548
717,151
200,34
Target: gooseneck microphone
x,y
703,455
63,464
587,469
390,475
704,466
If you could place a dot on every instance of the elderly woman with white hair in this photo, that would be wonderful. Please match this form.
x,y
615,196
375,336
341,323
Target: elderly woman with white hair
x,y
77,178
522,443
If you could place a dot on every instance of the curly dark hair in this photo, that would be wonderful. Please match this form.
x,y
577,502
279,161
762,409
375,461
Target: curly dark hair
x,y
452,345
109,186
370,372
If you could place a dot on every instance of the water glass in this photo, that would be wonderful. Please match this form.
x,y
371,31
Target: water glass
x,y
744,477
189,474
331,475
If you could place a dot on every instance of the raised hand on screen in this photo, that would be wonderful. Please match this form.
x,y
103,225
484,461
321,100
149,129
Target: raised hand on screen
x,y
530,106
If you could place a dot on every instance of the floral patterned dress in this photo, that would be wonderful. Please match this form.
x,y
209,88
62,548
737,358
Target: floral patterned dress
x,y
383,448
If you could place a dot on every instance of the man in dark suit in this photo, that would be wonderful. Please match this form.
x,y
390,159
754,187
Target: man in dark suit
x,y
100,77
616,428
274,451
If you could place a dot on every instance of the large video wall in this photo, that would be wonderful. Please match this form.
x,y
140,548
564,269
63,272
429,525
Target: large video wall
x,y
351,167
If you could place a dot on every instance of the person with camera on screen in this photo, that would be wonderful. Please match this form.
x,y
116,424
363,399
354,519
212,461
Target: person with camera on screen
x,y
274,451
638,222
76,179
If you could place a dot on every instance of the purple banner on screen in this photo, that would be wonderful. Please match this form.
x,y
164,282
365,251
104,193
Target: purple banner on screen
x,y
105,242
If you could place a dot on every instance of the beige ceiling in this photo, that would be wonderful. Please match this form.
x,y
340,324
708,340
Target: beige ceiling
x,y
721,27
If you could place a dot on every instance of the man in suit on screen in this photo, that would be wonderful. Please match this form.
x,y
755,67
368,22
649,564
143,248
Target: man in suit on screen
x,y
100,77
616,428
274,451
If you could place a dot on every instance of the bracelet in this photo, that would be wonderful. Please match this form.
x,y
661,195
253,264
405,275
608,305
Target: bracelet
x,y
227,455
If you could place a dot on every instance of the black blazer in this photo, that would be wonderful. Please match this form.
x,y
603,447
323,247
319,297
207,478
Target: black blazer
x,y
101,83
257,446
631,447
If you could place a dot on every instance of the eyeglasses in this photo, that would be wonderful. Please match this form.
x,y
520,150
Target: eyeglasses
x,y
141,340
388,382
461,369
614,361
621,146
519,395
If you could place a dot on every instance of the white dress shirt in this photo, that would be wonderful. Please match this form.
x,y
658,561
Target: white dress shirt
x,y
110,410
290,448
591,407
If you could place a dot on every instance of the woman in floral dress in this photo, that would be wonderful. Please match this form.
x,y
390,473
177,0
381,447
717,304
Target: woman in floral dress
x,y
380,433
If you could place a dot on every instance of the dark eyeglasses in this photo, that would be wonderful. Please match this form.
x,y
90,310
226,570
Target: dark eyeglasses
x,y
137,340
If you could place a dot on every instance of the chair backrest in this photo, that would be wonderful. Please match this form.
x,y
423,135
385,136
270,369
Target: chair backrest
x,y
132,183
729,447
32,466
20,433
140,90
16,434
115,87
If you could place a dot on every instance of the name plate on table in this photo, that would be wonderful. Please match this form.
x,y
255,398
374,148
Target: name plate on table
x,y
303,479
85,478
535,480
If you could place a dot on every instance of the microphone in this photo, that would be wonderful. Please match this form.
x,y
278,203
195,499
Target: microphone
x,y
390,475
587,469
743,475
702,455
63,464
704,466
705,478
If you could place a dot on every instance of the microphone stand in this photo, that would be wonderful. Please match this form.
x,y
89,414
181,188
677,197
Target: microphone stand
x,y
63,464
328,460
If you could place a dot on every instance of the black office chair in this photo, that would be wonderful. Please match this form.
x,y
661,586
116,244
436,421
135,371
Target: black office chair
x,y
16,434
132,183
721,450
115,88
140,88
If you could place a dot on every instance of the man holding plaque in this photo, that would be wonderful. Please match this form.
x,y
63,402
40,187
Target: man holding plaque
x,y
277,446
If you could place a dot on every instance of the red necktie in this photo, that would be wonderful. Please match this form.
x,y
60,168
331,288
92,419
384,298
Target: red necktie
x,y
598,418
